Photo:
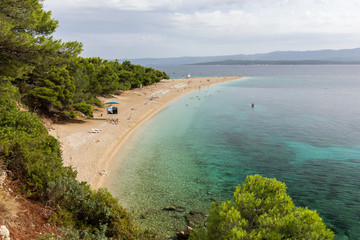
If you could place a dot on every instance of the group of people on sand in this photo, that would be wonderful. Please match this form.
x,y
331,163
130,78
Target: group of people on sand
x,y
112,121
154,97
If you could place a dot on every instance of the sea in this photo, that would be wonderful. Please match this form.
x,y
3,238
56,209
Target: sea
x,y
304,130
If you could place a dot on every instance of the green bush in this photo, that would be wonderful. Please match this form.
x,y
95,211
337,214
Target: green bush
x,y
27,150
261,209
71,233
97,102
85,108
92,210
70,113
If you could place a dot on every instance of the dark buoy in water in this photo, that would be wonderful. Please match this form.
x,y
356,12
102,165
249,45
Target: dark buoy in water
x,y
252,105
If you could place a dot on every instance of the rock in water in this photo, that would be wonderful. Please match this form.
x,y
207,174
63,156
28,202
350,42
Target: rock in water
x,y
184,234
170,208
196,218
180,208
196,212
150,212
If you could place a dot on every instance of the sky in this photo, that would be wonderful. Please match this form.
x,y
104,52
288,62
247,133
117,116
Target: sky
x,y
129,29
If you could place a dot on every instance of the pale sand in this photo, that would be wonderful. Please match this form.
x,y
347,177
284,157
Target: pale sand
x,y
91,154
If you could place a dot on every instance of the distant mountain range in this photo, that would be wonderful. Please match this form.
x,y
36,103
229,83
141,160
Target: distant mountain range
x,y
279,62
345,56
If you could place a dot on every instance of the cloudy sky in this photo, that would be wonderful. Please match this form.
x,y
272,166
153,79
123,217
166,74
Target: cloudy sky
x,y
170,28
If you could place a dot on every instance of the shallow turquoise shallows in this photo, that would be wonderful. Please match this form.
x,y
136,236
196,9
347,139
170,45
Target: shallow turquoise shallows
x,y
304,130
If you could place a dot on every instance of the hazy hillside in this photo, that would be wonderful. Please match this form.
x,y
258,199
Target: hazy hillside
x,y
345,55
279,62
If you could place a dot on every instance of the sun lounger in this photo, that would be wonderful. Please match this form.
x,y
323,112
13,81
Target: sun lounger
x,y
94,130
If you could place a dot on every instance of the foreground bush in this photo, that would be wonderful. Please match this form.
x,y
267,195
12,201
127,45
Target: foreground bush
x,y
90,210
261,209
26,148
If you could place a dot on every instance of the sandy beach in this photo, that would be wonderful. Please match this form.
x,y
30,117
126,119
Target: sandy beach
x,y
89,145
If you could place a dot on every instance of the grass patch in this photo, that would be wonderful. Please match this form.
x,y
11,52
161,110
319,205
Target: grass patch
x,y
9,207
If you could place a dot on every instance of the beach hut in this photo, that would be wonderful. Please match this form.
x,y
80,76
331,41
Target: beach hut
x,y
111,109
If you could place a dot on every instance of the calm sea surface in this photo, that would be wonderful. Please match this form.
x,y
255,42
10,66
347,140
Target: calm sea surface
x,y
304,131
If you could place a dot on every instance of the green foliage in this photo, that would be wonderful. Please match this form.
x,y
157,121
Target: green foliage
x,y
32,59
91,210
261,209
84,108
26,148
9,95
20,21
108,79
125,79
52,88
100,77
24,41
71,113
71,233
96,102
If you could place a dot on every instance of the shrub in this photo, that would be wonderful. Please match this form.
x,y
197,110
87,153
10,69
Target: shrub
x,y
261,209
27,150
85,108
97,102
34,160
92,211
70,113
71,233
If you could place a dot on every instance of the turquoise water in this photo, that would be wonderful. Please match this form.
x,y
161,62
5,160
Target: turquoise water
x,y
304,131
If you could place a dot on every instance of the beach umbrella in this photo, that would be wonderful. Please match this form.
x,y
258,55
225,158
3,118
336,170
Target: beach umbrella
x,y
112,110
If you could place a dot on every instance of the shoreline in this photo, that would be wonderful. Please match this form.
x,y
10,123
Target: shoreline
x,y
92,154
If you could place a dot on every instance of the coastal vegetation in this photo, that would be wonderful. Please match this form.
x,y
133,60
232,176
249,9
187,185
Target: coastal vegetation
x,y
261,209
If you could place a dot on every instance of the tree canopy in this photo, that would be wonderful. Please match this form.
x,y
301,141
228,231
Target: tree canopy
x,y
261,209
25,38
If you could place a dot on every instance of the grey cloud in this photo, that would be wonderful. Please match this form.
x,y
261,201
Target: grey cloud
x,y
112,21
145,5
163,28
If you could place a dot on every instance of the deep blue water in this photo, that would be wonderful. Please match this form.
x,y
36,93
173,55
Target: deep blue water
x,y
304,131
